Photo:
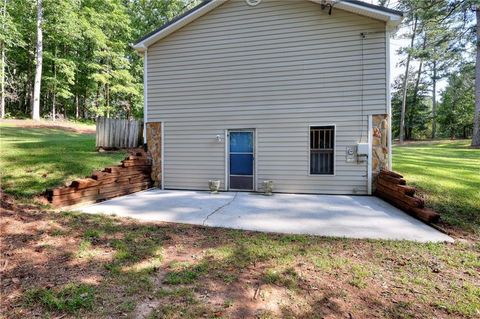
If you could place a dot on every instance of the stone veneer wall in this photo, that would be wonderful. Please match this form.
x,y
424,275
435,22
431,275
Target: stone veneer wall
x,y
154,144
379,144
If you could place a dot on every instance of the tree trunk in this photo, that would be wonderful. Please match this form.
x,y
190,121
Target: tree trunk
x,y
54,93
2,69
476,120
452,122
22,97
434,100
84,104
408,120
54,106
97,103
28,103
405,83
419,73
76,107
2,84
417,82
107,100
129,108
30,98
38,70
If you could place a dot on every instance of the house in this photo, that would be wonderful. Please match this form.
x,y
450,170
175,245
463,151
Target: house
x,y
292,91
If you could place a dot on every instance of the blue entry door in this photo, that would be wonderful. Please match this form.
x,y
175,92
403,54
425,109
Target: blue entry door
x,y
241,157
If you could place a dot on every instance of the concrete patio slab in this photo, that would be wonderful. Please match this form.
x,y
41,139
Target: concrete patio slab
x,y
323,215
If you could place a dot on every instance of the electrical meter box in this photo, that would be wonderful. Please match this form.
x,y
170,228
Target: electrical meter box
x,y
362,149
350,154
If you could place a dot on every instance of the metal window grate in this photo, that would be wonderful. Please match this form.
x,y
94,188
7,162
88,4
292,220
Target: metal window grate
x,y
322,145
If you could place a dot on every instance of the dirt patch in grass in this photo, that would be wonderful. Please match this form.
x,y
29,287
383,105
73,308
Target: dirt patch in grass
x,y
74,265
57,125
37,261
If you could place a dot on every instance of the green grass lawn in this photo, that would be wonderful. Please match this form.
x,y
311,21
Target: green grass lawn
x,y
34,159
447,173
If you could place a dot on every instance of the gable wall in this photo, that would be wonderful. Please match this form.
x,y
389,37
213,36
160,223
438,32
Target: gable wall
x,y
277,67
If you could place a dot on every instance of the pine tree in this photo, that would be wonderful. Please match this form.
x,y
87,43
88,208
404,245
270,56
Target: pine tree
x,y
476,120
455,113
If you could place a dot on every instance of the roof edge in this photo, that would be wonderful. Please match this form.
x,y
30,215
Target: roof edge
x,y
374,7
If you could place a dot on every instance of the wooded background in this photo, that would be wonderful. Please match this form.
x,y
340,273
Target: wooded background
x,y
89,67
78,54
442,46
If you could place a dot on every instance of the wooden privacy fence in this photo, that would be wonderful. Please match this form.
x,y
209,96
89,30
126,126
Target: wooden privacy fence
x,y
113,133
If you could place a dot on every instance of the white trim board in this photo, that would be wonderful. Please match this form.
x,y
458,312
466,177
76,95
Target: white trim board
x,y
162,152
389,98
370,154
226,137
145,95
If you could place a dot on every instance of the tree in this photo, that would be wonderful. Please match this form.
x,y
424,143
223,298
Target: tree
x,y
61,35
476,120
20,50
447,29
417,114
9,38
405,81
39,60
439,42
88,67
455,113
443,57
2,67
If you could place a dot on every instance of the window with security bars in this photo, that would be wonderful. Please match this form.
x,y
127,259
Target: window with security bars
x,y
322,145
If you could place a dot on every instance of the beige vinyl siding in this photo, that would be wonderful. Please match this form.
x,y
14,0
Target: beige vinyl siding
x,y
278,68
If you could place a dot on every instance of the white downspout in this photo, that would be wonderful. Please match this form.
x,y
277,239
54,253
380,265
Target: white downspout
x,y
162,153
370,154
145,96
389,99
226,137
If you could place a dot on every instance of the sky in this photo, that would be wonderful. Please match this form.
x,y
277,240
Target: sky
x,y
396,43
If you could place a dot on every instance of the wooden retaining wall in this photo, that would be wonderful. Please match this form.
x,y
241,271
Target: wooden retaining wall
x,y
391,187
114,133
133,175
